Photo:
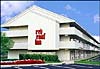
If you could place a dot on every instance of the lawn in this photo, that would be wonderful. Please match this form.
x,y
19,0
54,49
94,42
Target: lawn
x,y
93,61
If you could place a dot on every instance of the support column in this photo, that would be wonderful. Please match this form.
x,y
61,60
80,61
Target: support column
x,y
13,54
63,55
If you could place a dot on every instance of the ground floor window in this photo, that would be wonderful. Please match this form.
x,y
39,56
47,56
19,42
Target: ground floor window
x,y
72,54
80,54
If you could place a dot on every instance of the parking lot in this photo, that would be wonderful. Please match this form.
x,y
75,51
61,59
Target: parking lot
x,y
61,66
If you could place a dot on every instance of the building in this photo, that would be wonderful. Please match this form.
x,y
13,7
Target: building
x,y
40,31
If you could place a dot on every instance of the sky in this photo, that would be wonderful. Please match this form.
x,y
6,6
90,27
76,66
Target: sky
x,y
85,13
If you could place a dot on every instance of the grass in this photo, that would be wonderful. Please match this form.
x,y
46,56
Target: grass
x,y
89,61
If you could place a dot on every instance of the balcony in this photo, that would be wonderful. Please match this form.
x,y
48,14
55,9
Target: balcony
x,y
17,33
68,30
69,45
74,31
20,46
75,45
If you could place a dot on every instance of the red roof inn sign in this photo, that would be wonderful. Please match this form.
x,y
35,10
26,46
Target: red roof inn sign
x,y
39,37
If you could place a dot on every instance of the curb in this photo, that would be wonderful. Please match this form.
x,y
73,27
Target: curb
x,y
3,66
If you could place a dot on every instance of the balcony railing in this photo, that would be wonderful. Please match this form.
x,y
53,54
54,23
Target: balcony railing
x,y
69,45
75,45
20,46
17,33
74,31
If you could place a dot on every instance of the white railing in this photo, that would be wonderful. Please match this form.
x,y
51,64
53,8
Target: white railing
x,y
76,45
16,33
20,46
69,45
92,48
67,30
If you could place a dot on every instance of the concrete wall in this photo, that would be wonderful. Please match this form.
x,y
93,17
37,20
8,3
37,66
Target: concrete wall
x,y
48,26
20,39
18,28
50,53
64,38
63,55
14,54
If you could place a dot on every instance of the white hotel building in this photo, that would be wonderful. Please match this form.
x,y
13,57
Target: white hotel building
x,y
39,31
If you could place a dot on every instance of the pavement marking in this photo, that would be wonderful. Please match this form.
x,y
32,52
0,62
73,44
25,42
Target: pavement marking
x,y
65,67
35,66
18,67
69,67
90,67
41,67
44,67
82,66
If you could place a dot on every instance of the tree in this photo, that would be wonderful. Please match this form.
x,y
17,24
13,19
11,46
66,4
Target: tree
x,y
6,44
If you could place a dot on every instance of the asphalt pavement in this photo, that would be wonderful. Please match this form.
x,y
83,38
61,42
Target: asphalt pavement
x,y
60,66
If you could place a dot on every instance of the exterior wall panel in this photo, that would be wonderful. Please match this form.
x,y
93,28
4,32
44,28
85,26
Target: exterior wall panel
x,y
49,28
18,28
20,39
17,33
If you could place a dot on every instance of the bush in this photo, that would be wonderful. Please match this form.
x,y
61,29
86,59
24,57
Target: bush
x,y
44,57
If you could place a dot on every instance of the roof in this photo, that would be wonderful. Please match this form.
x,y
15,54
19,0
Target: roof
x,y
37,10
84,31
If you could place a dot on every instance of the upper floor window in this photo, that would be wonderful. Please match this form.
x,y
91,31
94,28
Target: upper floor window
x,y
64,25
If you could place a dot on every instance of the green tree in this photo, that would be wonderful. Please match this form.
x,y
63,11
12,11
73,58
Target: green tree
x,y
6,44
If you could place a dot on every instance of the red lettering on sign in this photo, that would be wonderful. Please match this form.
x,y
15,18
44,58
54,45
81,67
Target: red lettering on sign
x,y
37,42
39,31
39,36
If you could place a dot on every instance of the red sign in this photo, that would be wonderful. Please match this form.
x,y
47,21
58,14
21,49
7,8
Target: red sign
x,y
39,37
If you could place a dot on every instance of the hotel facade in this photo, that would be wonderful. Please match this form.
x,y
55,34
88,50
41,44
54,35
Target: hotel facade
x,y
39,31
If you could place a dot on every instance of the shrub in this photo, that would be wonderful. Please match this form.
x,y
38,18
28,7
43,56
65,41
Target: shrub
x,y
44,57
